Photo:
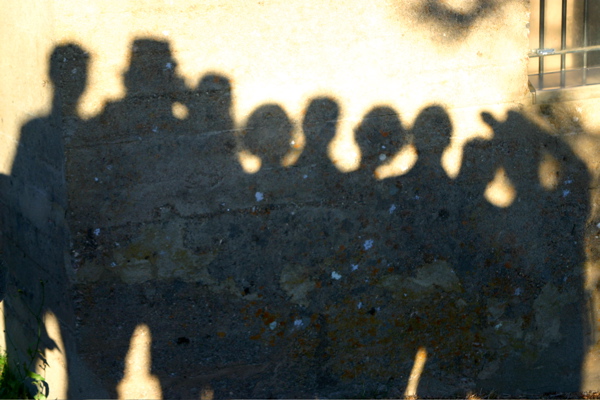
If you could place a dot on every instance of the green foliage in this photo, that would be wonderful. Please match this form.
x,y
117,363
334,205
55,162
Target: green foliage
x,y
11,387
16,383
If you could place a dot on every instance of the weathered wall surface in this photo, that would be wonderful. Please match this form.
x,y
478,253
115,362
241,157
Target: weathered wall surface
x,y
280,199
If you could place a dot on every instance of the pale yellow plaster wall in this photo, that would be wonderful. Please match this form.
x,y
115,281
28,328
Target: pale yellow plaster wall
x,y
26,32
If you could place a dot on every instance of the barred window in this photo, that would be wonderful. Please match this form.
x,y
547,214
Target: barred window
x,y
564,59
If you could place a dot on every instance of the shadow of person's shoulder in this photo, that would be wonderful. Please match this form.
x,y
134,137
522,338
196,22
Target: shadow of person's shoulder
x,y
107,125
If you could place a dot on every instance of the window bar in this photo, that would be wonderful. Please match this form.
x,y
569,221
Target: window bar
x,y
552,52
563,43
541,44
585,39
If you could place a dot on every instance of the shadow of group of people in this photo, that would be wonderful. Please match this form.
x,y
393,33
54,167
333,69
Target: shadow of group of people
x,y
166,156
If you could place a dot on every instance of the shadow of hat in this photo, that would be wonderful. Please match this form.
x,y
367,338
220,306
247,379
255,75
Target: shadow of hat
x,y
151,67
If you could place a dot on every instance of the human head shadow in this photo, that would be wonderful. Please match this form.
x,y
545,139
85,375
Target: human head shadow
x,y
432,133
268,134
68,75
379,137
152,69
206,129
210,105
319,126
314,168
